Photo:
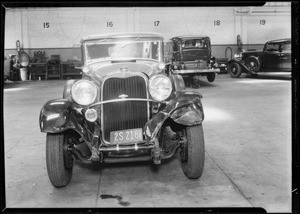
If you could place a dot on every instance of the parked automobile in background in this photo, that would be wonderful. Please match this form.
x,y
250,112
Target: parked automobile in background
x,y
121,109
190,56
275,57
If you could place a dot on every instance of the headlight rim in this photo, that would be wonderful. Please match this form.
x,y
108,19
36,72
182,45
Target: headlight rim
x,y
157,76
87,81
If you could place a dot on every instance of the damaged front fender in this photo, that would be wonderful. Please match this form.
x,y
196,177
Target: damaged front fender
x,y
59,115
185,109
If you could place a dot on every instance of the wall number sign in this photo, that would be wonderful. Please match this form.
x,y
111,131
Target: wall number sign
x,y
262,22
217,22
46,24
156,23
109,24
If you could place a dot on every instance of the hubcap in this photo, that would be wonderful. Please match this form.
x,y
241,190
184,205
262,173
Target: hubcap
x,y
234,70
252,66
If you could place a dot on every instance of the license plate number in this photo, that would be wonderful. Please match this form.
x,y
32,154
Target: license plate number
x,y
126,136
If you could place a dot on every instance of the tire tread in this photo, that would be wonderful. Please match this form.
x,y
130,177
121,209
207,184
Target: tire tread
x,y
193,168
58,175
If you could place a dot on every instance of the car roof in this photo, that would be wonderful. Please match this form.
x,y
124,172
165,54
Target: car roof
x,y
122,35
190,37
280,40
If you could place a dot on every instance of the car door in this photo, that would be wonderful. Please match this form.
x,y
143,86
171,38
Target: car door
x,y
271,57
286,56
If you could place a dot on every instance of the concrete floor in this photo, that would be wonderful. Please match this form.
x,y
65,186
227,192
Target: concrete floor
x,y
248,154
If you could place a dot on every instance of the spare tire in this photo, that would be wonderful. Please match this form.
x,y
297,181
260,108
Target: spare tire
x,y
253,64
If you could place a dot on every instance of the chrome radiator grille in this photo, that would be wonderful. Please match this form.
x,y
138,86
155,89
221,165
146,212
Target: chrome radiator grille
x,y
123,115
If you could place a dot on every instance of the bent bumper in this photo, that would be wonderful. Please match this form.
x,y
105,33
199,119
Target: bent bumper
x,y
197,71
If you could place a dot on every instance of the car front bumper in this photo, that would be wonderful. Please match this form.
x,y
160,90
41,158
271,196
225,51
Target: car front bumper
x,y
197,71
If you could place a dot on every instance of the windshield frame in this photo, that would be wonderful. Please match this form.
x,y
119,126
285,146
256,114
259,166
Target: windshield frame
x,y
206,40
88,62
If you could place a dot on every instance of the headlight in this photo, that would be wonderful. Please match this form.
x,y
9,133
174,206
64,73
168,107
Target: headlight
x,y
84,92
238,56
160,87
162,65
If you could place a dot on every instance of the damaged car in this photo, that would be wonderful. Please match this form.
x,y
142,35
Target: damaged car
x,y
122,110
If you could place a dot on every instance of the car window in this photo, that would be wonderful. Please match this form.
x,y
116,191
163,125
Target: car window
x,y
272,47
97,51
195,43
175,45
168,48
286,47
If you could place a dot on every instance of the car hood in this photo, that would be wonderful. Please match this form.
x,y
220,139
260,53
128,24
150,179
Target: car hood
x,y
195,54
252,53
100,71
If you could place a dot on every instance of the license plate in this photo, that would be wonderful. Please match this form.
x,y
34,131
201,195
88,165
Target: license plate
x,y
126,136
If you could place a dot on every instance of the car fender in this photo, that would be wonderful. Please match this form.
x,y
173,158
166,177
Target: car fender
x,y
68,88
177,82
185,109
257,61
59,115
242,64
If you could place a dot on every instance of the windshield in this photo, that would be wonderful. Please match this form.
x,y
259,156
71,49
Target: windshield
x,y
195,43
272,47
101,50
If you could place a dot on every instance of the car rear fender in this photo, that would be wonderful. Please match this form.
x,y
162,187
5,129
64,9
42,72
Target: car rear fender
x,y
185,109
59,115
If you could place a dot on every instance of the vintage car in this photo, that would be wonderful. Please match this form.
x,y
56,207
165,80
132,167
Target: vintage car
x,y
125,109
275,57
190,56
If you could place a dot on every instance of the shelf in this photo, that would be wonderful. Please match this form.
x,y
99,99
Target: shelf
x,y
38,70
68,70
60,71
53,71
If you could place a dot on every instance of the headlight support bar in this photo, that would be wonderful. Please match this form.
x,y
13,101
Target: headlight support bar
x,y
124,100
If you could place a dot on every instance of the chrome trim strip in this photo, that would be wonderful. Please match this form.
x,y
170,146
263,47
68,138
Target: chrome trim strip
x,y
122,148
123,100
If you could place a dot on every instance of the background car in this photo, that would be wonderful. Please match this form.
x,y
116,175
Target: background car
x,y
275,57
190,56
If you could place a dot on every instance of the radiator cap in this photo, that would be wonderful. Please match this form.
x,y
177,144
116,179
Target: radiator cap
x,y
123,69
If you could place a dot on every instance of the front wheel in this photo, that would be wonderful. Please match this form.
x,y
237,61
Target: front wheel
x,y
59,159
211,77
192,153
235,70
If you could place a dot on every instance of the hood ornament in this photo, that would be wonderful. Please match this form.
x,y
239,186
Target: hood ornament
x,y
123,96
124,69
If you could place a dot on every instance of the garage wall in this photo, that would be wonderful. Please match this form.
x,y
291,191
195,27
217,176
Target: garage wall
x,y
56,30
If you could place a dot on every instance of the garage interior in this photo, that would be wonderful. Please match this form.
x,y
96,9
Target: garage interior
x,y
247,126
